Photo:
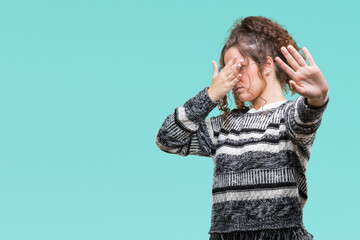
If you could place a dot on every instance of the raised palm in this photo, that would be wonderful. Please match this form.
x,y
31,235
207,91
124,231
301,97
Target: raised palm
x,y
307,80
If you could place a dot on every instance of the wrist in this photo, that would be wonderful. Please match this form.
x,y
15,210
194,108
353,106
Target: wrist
x,y
317,102
212,96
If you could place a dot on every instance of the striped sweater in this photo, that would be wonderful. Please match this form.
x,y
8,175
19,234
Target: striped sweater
x,y
259,184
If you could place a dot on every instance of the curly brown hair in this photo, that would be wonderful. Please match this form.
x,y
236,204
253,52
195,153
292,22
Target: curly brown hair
x,y
257,37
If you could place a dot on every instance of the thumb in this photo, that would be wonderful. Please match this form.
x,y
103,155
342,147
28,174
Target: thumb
x,y
215,69
296,88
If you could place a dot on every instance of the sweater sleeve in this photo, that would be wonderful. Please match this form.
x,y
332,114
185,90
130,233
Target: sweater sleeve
x,y
187,131
302,121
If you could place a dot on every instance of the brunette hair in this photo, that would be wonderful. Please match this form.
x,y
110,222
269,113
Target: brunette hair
x,y
256,38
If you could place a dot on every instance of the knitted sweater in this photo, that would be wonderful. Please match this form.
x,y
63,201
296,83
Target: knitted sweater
x,y
259,184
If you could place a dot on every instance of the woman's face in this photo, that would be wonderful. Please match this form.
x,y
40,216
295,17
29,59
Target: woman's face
x,y
250,85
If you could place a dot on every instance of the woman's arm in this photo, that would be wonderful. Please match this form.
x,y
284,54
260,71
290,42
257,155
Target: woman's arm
x,y
187,131
302,121
303,117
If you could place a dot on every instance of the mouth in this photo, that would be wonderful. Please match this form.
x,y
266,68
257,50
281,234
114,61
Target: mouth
x,y
237,88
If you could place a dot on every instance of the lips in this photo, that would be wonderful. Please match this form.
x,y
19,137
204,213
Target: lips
x,y
237,88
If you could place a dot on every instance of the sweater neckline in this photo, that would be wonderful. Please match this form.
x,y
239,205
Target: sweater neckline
x,y
267,107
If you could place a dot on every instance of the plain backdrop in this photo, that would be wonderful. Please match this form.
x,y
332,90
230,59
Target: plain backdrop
x,y
86,85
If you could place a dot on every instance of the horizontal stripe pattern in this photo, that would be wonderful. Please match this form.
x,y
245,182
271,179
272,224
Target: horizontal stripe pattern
x,y
266,139
248,134
255,194
253,187
253,177
258,146
260,160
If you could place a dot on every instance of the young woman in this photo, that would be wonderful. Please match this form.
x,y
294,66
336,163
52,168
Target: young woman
x,y
260,149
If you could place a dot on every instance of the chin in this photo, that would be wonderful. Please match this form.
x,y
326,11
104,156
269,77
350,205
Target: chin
x,y
244,97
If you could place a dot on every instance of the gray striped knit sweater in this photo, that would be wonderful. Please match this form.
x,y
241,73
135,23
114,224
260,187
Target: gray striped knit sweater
x,y
259,185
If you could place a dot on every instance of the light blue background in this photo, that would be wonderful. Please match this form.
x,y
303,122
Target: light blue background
x,y
85,85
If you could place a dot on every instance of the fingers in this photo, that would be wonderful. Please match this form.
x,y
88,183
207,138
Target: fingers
x,y
237,65
230,63
236,79
299,59
296,88
215,69
235,73
234,61
290,58
288,70
293,57
308,56
233,68
230,71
